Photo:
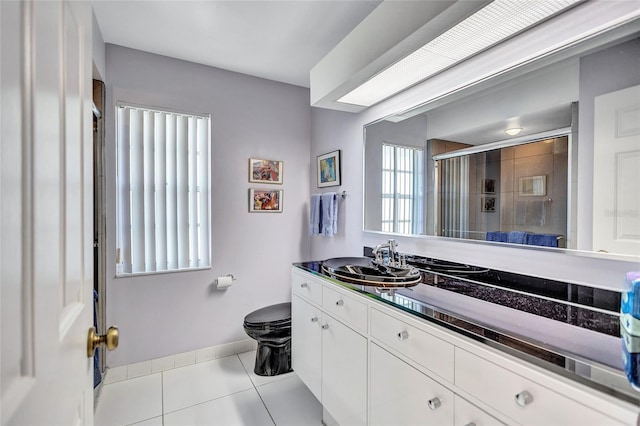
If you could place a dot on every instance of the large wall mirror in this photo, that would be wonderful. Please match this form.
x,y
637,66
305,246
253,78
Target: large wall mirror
x,y
569,179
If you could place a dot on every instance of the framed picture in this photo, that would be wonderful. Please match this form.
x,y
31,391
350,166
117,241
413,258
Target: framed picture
x,y
265,200
265,171
532,186
488,204
489,186
329,169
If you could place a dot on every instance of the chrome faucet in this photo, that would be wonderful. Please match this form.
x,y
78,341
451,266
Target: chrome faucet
x,y
393,258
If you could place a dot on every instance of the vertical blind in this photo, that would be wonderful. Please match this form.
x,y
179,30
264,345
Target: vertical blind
x,y
163,190
454,179
402,189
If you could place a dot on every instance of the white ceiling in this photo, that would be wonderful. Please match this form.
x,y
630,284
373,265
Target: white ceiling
x,y
277,40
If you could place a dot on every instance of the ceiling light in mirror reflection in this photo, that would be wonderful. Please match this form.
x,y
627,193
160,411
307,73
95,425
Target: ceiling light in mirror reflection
x,y
513,131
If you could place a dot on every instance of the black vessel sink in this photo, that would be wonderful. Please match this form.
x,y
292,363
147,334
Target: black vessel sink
x,y
443,266
364,271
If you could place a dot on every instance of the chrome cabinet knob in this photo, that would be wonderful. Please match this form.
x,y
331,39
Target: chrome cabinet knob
x,y
314,319
524,398
403,335
434,403
304,285
325,326
340,302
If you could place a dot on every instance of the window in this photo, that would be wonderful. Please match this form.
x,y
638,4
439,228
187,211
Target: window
x,y
402,189
163,163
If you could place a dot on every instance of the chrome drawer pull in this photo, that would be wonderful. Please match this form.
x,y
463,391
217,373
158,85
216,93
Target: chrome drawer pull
x,y
403,335
304,285
524,398
340,302
325,326
434,403
314,319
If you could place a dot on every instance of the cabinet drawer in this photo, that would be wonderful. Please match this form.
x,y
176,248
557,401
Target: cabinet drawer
x,y
346,308
401,395
414,343
501,388
466,413
306,286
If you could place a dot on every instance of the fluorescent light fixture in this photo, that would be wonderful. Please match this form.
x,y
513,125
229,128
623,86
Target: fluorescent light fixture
x,y
490,25
513,131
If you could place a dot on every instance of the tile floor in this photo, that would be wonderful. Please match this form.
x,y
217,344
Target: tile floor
x,y
223,391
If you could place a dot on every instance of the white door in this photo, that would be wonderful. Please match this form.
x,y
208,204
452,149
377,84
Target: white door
x,y
46,259
616,189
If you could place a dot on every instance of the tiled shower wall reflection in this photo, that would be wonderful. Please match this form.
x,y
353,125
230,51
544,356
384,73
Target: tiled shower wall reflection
x,y
510,210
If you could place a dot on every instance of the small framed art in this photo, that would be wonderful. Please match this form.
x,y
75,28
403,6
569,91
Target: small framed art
x,y
329,169
265,200
488,204
489,186
532,186
265,171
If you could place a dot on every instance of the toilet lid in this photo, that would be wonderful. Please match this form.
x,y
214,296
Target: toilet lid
x,y
270,314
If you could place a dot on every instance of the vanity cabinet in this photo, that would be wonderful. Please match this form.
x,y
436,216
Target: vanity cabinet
x,y
328,354
372,363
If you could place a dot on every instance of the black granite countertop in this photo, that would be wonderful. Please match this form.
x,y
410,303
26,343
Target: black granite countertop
x,y
570,329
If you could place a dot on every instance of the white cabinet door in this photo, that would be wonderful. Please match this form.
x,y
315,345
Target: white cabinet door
x,y
46,213
306,344
402,395
344,373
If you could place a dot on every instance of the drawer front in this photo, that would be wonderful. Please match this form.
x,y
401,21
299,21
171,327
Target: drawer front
x,y
466,414
346,308
401,395
519,398
306,286
414,343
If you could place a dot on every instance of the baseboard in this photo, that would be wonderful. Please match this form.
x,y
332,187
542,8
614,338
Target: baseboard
x,y
157,365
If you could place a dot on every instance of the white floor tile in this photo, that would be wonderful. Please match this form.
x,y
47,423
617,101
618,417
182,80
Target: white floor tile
x,y
198,383
249,360
243,408
130,401
290,403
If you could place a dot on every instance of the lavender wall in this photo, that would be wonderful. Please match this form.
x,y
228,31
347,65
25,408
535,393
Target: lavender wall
x,y
160,315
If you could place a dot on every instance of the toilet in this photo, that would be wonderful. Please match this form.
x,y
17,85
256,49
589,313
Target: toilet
x,y
271,327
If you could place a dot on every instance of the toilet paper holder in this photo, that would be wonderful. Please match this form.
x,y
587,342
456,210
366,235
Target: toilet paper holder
x,y
223,283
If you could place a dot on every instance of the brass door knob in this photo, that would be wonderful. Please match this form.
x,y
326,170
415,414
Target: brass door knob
x,y
110,339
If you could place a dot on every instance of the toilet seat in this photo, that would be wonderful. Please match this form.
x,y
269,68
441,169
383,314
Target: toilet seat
x,y
270,316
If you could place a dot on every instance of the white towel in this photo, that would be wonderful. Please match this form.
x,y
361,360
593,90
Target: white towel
x,y
315,215
329,211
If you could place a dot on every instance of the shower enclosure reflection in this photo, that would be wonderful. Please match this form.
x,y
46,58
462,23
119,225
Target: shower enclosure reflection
x,y
487,195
